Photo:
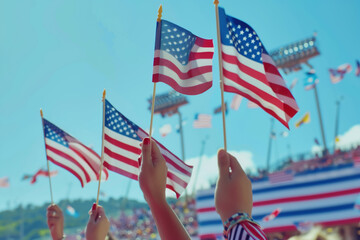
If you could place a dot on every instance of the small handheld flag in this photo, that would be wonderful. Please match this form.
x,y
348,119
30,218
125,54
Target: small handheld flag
x,y
249,70
272,215
236,101
336,75
121,151
182,59
311,80
42,172
202,121
4,182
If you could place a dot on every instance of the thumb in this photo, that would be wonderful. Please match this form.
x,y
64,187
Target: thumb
x,y
224,164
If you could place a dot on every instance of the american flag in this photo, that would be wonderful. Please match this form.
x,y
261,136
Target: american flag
x,y
202,121
311,80
249,70
272,215
336,75
121,151
182,60
326,197
70,154
42,172
251,104
281,176
236,101
4,182
357,70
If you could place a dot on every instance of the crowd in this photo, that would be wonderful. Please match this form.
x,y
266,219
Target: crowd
x,y
233,202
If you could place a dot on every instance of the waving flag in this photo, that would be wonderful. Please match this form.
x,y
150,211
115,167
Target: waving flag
x,y
326,197
336,75
70,154
71,211
304,119
202,121
218,109
236,101
281,176
293,83
182,60
121,151
357,70
311,80
44,173
249,70
165,130
272,215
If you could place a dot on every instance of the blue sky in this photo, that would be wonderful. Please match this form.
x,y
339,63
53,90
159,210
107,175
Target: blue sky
x,y
59,56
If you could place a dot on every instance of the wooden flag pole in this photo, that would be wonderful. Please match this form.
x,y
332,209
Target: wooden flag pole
x,y
102,149
47,160
216,3
158,31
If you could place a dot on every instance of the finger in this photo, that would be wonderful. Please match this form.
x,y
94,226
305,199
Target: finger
x,y
156,155
139,160
235,166
146,152
100,213
92,212
223,164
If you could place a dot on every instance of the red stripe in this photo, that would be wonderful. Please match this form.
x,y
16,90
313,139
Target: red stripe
x,y
201,42
209,236
176,166
66,156
200,55
272,113
122,145
244,68
176,179
194,90
173,189
67,168
250,229
308,197
193,72
120,171
118,157
81,155
208,209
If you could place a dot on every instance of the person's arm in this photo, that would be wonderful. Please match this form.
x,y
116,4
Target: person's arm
x,y
233,200
98,225
152,180
55,221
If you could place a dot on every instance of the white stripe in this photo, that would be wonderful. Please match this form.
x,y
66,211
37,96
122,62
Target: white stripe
x,y
211,229
121,165
196,63
122,138
198,49
68,164
74,155
263,102
233,68
189,82
94,160
230,50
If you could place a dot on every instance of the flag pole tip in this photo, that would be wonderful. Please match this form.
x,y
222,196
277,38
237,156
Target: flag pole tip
x,y
216,2
104,93
41,113
159,13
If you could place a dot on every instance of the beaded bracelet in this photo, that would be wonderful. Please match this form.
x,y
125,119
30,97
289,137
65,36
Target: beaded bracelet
x,y
235,219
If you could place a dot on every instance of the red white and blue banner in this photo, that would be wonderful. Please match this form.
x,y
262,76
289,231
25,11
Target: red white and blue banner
x,y
325,196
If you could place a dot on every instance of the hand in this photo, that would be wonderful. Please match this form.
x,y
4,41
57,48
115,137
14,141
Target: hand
x,y
153,170
55,221
98,225
233,189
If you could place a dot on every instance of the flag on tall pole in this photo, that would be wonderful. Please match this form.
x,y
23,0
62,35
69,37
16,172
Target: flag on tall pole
x,y
42,172
121,142
357,70
248,70
304,119
336,75
236,101
4,182
311,80
202,121
67,152
182,59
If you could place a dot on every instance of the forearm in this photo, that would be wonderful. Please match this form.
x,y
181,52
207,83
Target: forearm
x,y
168,224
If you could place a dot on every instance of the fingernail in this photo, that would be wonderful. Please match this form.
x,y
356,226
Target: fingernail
x,y
139,161
93,208
146,141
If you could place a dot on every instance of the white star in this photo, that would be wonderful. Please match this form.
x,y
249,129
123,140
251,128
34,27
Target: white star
x,y
247,44
169,30
255,47
250,50
253,56
250,35
254,32
174,29
230,23
231,41
172,36
241,32
233,29
227,35
245,52
257,53
238,49
246,29
238,26
244,38
253,41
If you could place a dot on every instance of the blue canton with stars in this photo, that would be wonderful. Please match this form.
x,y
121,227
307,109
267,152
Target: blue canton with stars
x,y
118,123
175,40
54,133
240,35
